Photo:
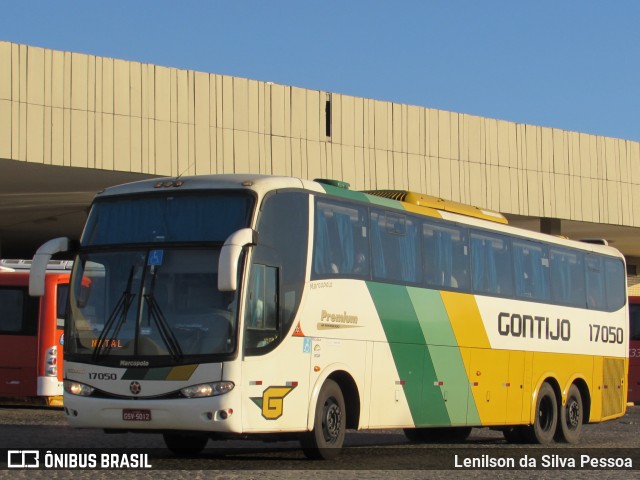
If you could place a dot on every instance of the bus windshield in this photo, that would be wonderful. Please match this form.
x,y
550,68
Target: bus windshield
x,y
162,218
145,282
159,303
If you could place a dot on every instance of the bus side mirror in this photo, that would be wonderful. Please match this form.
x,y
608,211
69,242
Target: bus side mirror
x,y
40,262
230,256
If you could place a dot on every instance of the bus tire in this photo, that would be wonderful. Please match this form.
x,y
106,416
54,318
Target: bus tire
x,y
184,445
325,440
571,417
546,416
437,434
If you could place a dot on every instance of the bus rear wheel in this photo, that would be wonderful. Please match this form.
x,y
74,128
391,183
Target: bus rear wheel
x,y
185,445
571,417
437,435
546,420
325,440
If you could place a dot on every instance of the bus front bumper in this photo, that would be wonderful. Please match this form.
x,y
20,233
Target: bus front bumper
x,y
211,414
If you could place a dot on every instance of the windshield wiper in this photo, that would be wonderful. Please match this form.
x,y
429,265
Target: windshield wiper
x,y
167,335
118,317
155,314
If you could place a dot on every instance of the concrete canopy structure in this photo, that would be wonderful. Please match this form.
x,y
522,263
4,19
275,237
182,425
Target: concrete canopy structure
x,y
71,124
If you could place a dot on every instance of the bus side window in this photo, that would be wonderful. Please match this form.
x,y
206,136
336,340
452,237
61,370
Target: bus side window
x,y
595,282
491,264
341,246
262,309
395,247
531,265
446,257
614,281
18,312
567,277
62,298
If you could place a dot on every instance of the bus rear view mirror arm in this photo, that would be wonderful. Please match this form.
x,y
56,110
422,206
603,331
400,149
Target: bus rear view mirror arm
x,y
40,262
230,256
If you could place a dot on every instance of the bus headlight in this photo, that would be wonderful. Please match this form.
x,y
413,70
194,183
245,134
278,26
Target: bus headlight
x,y
76,388
207,389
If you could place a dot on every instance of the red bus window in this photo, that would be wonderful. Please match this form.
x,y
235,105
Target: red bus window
x,y
19,312
61,304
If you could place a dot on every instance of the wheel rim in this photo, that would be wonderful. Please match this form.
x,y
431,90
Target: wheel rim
x,y
545,413
332,420
573,414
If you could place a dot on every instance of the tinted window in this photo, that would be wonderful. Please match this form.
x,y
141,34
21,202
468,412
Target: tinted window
x,y
567,277
261,321
596,297
182,217
634,321
491,264
531,267
61,303
614,274
279,262
341,243
18,312
445,257
395,247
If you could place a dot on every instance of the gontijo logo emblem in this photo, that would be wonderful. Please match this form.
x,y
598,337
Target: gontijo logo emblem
x,y
272,401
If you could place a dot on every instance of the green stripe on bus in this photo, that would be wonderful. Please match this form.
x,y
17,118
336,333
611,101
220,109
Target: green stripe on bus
x,y
411,356
362,197
344,193
444,353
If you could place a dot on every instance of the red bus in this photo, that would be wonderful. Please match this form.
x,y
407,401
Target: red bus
x,y
634,350
31,334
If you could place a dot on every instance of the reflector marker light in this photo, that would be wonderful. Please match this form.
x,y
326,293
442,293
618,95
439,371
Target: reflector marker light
x,y
473,384
50,362
506,384
255,382
438,384
292,384
400,382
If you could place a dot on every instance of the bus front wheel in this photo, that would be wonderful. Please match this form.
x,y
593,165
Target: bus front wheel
x,y
544,425
571,417
326,438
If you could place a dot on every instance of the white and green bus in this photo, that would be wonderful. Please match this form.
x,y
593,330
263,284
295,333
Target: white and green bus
x,y
238,305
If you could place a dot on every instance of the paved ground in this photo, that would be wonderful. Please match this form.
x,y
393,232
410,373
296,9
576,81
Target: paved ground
x,y
378,454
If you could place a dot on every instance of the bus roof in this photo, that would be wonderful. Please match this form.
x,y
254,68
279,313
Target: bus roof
x,y
20,265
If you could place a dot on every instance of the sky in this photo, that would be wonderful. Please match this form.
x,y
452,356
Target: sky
x,y
569,64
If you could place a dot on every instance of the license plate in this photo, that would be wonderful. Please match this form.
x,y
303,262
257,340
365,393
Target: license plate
x,y
136,415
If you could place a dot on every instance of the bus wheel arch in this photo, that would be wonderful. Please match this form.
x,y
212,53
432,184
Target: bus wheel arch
x,y
582,386
350,393
351,397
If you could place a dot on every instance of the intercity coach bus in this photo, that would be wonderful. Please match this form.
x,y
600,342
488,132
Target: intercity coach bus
x,y
239,305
